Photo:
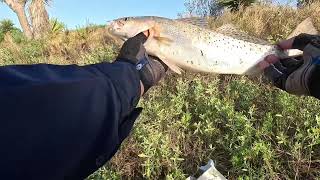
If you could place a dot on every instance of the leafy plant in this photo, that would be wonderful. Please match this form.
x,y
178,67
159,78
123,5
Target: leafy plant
x,y
57,26
6,25
235,5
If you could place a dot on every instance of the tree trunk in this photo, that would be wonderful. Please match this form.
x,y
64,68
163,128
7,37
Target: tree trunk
x,y
39,18
18,7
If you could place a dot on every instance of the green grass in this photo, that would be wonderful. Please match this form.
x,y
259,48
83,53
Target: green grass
x,y
250,129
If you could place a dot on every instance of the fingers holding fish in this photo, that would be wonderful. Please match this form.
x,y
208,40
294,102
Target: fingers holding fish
x,y
286,44
269,60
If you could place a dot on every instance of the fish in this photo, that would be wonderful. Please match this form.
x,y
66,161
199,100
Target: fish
x,y
186,46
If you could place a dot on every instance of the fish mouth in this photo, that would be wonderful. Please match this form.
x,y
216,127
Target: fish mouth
x,y
146,33
115,28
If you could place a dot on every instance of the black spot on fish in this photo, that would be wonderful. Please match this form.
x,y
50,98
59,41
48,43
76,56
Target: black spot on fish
x,y
201,53
191,62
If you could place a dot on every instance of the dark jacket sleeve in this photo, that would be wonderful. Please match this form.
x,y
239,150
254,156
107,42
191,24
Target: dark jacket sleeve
x,y
64,122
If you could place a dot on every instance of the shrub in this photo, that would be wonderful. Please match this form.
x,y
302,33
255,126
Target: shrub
x,y
57,26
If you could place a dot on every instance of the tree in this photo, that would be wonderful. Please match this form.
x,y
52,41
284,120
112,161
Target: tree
x,y
303,3
235,5
18,6
203,8
39,18
38,24
215,7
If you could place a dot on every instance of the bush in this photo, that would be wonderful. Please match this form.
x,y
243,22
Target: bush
x,y
6,25
18,36
1,36
251,131
57,26
269,22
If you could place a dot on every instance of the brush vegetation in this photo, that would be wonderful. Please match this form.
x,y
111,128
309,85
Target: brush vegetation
x,y
249,128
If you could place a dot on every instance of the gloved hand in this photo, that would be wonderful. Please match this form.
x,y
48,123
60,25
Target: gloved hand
x,y
293,74
151,69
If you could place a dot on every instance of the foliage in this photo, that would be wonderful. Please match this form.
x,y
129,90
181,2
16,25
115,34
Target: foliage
x,y
83,46
6,25
303,3
203,7
270,22
235,5
251,131
214,7
56,26
17,36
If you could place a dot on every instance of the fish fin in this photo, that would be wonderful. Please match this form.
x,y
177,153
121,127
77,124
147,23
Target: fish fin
x,y
232,31
197,21
305,26
155,33
172,66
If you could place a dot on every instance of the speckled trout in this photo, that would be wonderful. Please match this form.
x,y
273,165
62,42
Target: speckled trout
x,y
185,46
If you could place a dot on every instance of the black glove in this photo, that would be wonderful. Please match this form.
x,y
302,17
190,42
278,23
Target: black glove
x,y
279,71
151,69
293,74
302,40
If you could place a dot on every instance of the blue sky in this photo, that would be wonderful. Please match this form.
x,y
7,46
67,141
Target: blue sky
x,y
76,13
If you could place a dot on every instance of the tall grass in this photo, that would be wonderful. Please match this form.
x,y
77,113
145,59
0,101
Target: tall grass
x,y
250,129
81,46
269,22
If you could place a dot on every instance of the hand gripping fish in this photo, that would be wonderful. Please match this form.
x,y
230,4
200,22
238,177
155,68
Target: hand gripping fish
x,y
182,45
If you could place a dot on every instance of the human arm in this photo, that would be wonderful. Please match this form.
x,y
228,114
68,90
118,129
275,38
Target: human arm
x,y
296,75
64,122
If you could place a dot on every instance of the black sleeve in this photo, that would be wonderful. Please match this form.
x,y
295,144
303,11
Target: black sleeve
x,y
302,40
64,122
314,83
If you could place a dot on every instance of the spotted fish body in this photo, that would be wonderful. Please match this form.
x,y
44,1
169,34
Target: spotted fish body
x,y
184,46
